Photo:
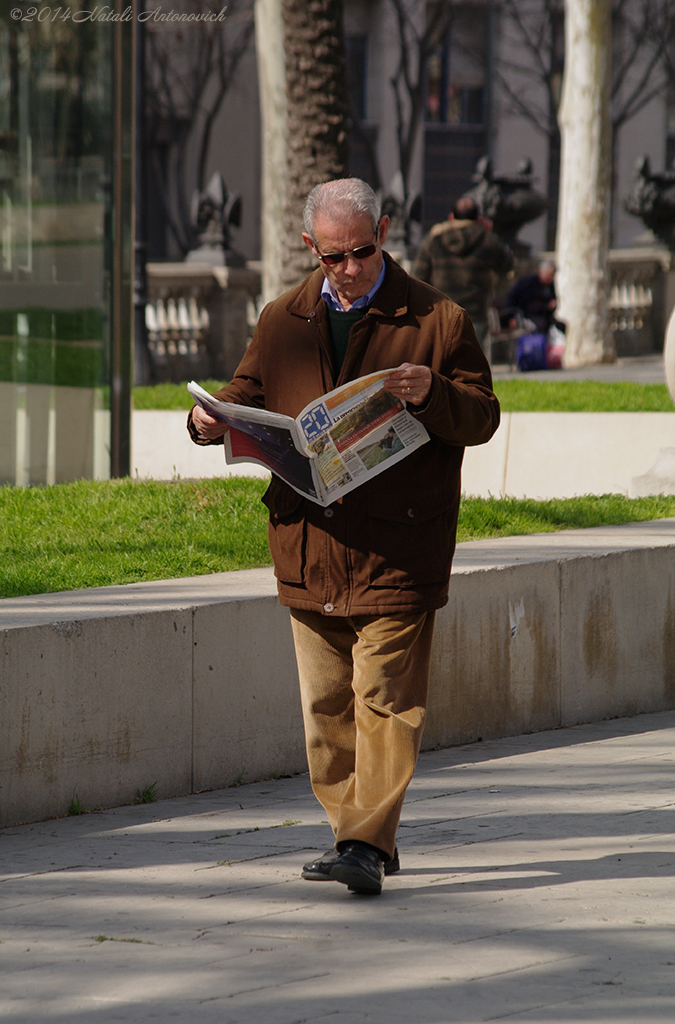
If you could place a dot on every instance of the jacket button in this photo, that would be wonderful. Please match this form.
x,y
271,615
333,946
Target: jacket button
x,y
329,513
312,314
329,607
411,514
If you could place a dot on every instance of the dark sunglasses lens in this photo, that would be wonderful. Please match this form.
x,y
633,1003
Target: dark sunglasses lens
x,y
333,258
364,252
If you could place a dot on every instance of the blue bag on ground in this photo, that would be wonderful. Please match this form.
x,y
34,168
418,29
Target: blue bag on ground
x,y
531,352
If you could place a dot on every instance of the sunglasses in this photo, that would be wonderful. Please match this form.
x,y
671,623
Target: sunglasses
x,y
333,258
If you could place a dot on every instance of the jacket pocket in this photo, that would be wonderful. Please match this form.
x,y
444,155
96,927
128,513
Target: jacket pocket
x,y
411,540
287,533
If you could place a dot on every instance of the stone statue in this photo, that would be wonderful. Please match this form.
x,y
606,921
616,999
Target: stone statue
x,y
652,199
509,200
214,211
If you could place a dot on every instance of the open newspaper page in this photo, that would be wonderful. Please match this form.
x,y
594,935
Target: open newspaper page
x,y
337,442
357,431
268,438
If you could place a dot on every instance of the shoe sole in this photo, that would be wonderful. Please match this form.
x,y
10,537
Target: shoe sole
x,y
390,868
355,880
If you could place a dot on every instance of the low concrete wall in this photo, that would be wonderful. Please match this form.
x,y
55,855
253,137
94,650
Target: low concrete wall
x,y
561,455
553,630
192,683
534,455
162,450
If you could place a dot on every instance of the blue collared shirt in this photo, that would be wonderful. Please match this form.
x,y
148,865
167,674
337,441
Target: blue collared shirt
x,y
329,295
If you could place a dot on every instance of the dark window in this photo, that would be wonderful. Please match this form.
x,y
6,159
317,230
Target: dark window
x,y
357,67
455,72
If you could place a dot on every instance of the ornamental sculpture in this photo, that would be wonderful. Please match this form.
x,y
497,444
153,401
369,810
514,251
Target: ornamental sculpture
x,y
509,200
214,212
652,199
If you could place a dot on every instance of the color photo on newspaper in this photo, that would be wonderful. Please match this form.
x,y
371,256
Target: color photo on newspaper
x,y
335,444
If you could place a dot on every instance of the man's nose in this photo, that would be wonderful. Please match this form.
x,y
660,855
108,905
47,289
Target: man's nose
x,y
352,266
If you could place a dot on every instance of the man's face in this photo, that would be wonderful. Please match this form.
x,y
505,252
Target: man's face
x,y
351,278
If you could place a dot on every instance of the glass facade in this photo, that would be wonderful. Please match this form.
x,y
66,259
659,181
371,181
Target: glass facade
x,y
64,245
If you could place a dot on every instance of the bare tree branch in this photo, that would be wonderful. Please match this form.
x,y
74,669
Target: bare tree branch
x,y
408,82
640,62
189,72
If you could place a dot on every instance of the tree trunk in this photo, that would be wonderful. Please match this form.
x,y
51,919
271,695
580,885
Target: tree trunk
x,y
316,90
303,98
583,225
269,33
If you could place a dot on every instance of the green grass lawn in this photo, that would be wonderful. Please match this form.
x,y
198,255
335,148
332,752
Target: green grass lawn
x,y
526,395
518,395
170,396
97,533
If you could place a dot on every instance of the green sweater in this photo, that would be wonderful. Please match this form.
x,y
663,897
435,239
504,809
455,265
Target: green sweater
x,y
340,324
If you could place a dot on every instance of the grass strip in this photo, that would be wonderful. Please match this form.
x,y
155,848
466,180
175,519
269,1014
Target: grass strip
x,y
103,532
508,517
518,395
169,396
528,395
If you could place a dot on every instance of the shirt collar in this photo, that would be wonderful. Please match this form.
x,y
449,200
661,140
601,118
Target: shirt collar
x,y
329,295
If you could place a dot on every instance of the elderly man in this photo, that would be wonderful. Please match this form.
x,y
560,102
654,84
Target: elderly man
x,y
533,295
364,576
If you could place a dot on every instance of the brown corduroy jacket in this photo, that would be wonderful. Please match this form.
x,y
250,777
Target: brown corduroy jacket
x,y
387,546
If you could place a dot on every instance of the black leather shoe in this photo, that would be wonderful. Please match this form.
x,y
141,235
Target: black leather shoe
x,y
319,870
393,865
361,868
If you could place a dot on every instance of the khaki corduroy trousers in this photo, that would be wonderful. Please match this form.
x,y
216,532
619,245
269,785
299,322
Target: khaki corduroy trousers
x,y
363,685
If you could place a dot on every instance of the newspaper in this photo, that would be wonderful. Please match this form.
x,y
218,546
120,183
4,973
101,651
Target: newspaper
x,y
336,443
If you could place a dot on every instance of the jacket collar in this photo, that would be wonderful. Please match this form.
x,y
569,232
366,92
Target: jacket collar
x,y
391,299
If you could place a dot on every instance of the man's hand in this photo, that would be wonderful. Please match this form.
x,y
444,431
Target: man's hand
x,y
208,427
411,383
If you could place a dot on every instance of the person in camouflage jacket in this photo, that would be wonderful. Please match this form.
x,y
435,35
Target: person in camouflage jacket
x,y
459,256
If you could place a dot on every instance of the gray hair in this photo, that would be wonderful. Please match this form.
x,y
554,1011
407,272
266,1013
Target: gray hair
x,y
335,200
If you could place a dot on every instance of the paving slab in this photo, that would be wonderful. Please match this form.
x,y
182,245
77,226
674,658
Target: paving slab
x,y
646,369
536,886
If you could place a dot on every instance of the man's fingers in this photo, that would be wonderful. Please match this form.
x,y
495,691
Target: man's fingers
x,y
208,427
410,382
200,415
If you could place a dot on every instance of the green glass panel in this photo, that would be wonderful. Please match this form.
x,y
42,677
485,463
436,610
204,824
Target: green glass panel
x,y
56,217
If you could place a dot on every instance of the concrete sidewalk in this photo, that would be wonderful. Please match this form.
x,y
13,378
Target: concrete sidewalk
x,y
649,369
536,885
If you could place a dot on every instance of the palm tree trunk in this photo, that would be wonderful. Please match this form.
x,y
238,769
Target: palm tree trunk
x,y
303,95
316,90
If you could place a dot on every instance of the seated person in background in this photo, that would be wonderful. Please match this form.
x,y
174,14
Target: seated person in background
x,y
533,296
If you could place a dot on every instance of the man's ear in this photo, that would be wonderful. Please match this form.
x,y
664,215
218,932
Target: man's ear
x,y
384,229
307,239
